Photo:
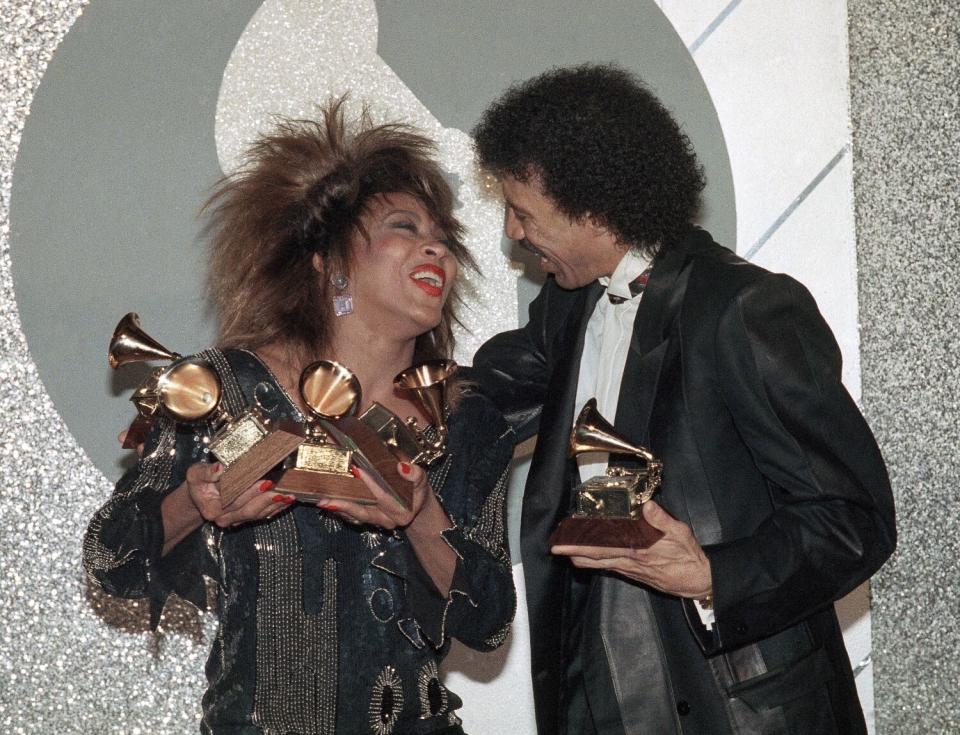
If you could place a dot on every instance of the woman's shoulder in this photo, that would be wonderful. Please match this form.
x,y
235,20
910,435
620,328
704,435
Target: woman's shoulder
x,y
246,380
235,363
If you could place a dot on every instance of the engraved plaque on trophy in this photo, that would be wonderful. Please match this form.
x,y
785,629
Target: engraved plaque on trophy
x,y
249,446
608,507
188,390
320,468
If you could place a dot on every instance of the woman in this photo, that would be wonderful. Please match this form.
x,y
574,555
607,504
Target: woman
x,y
342,245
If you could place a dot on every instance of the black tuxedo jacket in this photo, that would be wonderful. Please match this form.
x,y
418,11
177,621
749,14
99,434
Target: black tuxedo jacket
x,y
733,380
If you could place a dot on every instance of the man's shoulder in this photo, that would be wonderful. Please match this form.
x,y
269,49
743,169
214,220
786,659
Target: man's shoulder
x,y
473,412
719,274
476,425
706,254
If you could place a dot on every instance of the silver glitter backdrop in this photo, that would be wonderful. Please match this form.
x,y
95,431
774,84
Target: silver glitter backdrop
x,y
53,651
905,67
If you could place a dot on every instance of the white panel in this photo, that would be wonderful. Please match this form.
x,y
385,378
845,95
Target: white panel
x,y
777,73
691,18
854,614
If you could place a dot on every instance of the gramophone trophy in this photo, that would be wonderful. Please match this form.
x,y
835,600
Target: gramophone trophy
x,y
428,382
188,390
608,507
374,441
320,468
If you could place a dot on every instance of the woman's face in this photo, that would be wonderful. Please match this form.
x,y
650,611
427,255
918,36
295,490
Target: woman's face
x,y
402,277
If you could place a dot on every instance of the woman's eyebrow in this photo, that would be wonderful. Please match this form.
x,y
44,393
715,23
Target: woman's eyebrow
x,y
408,212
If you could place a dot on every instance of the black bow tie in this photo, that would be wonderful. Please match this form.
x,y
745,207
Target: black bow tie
x,y
636,287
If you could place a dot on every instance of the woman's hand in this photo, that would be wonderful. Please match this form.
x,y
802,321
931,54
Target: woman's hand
x,y
253,504
197,499
387,513
423,522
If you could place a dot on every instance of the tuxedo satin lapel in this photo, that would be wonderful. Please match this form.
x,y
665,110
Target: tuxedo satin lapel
x,y
628,626
637,391
649,345
635,659
546,499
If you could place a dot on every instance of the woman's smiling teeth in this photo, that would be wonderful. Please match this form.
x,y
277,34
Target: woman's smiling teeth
x,y
430,279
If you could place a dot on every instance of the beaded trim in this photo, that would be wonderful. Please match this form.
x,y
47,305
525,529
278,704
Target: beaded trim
x,y
232,394
433,694
293,404
155,471
386,701
383,595
301,697
490,530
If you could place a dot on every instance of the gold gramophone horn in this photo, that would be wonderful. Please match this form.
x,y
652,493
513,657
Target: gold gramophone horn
x,y
131,344
428,380
593,433
329,389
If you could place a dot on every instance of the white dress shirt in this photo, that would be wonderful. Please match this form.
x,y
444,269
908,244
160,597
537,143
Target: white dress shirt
x,y
604,357
605,348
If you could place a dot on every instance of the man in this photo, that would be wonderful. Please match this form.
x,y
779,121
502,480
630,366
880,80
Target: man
x,y
774,502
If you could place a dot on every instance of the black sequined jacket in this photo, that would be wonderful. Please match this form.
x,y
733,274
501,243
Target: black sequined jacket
x,y
323,627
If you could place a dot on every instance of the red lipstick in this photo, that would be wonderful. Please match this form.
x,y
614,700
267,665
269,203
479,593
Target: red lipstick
x,y
430,278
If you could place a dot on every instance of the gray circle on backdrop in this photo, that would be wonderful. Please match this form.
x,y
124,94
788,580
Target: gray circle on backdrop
x,y
457,56
116,158
118,154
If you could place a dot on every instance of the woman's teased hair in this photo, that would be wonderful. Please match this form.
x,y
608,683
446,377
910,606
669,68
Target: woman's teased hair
x,y
601,146
302,190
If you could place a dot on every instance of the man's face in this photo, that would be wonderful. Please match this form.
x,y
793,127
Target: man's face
x,y
575,252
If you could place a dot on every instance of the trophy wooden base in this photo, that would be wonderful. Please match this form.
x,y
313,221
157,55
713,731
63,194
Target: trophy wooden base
x,y
256,462
377,453
620,533
311,486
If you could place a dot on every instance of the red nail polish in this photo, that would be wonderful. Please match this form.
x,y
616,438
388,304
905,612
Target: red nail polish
x,y
265,485
332,508
279,498
289,500
355,472
405,468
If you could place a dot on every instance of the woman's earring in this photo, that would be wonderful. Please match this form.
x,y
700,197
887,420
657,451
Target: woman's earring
x,y
342,301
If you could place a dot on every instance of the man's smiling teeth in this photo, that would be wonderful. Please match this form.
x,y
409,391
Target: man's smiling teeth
x,y
431,278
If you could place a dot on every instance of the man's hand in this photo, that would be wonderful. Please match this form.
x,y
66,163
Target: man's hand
x,y
674,564
122,438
